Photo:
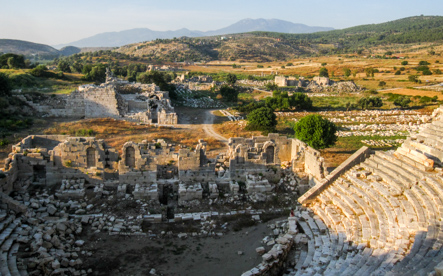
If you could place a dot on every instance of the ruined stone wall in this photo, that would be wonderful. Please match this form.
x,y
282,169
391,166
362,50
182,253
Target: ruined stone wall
x,y
71,105
103,102
81,157
137,105
358,157
194,165
10,174
323,81
258,153
165,118
280,80
315,164
147,163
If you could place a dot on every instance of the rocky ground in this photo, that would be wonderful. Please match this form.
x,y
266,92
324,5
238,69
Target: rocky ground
x,y
78,229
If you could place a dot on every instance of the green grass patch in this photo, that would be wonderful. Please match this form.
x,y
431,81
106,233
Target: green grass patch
x,y
353,143
334,102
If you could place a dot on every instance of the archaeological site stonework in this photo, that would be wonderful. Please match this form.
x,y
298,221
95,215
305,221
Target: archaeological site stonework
x,y
377,213
141,103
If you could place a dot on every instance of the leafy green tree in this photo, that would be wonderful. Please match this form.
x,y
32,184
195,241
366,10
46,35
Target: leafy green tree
x,y
323,72
39,71
262,119
413,78
423,62
86,69
404,62
370,102
231,78
316,131
97,74
251,107
402,101
271,86
382,83
5,85
398,72
346,72
64,66
228,93
160,79
300,101
369,72
12,61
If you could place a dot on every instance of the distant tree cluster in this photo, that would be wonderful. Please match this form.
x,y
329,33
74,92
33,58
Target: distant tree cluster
x,y
370,102
13,61
280,101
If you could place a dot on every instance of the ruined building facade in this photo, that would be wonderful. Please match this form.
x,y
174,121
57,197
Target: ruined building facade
x,y
150,167
143,103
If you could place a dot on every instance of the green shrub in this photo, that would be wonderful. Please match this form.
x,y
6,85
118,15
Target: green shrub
x,y
262,119
316,131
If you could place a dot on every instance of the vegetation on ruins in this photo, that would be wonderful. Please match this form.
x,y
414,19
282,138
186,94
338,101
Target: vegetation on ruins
x,y
316,131
262,119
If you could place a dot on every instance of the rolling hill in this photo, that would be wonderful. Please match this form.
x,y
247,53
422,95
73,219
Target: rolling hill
x,y
113,39
28,49
269,46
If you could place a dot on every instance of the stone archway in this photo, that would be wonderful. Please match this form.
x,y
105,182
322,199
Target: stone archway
x,y
130,157
90,157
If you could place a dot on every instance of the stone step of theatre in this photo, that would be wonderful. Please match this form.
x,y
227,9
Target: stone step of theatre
x,y
381,216
9,246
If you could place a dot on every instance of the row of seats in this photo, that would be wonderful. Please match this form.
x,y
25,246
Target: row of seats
x,y
383,216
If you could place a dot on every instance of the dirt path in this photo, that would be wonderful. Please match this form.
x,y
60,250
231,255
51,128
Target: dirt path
x,y
207,127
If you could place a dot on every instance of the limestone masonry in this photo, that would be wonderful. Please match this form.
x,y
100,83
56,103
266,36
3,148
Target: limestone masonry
x,y
378,213
142,103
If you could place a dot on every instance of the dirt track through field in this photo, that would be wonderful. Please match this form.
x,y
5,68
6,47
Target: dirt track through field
x,y
207,127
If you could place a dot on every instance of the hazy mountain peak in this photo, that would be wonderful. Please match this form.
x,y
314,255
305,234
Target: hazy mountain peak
x,y
115,39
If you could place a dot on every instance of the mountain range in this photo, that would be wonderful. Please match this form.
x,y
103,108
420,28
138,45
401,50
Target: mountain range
x,y
116,39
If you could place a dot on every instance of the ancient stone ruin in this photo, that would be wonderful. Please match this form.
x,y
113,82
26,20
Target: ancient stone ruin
x,y
142,103
318,84
378,213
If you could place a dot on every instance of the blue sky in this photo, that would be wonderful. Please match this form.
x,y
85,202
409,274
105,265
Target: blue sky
x,y
59,21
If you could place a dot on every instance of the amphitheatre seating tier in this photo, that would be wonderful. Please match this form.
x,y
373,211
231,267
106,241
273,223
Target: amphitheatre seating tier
x,y
384,215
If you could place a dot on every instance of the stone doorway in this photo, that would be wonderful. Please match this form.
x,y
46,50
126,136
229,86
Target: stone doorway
x,y
164,195
270,155
39,174
90,158
130,157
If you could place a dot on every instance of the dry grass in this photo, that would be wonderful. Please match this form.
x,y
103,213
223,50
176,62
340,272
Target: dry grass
x,y
414,92
116,133
235,129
